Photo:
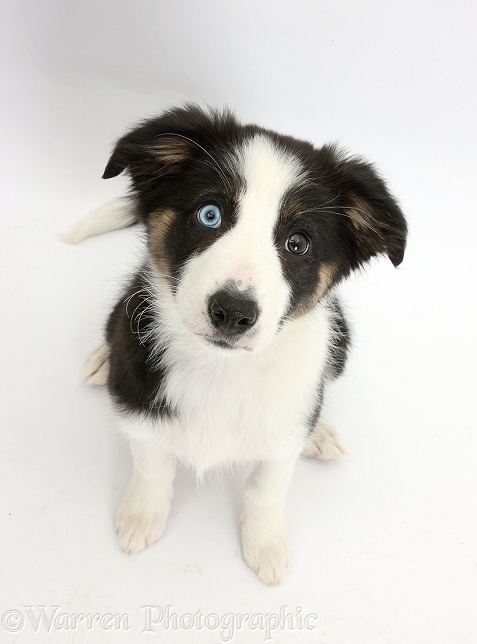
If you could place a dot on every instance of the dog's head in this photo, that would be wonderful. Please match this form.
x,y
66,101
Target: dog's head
x,y
250,228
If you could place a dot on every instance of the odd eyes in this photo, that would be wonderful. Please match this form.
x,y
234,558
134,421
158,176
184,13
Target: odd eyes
x,y
210,216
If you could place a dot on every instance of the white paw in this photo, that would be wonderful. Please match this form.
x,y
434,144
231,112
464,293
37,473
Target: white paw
x,y
140,520
266,550
135,532
96,366
324,443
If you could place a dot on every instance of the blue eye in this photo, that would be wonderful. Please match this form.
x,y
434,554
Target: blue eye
x,y
210,216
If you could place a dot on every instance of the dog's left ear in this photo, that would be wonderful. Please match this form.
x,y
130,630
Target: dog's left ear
x,y
373,222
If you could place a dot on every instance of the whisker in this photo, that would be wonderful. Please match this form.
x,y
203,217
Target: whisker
x,y
146,309
129,298
330,200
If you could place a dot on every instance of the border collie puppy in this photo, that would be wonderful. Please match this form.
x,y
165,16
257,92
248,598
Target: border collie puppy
x,y
220,349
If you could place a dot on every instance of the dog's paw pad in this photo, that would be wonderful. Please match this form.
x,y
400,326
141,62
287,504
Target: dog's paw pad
x,y
136,533
96,366
267,557
324,443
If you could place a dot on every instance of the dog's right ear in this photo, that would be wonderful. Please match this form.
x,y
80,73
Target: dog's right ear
x,y
117,162
146,150
161,145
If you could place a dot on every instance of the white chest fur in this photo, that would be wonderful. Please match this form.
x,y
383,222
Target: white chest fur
x,y
244,406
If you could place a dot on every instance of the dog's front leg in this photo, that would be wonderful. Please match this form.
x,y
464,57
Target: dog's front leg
x,y
144,507
265,540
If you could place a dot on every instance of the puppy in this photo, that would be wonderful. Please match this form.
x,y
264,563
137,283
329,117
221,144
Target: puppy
x,y
222,345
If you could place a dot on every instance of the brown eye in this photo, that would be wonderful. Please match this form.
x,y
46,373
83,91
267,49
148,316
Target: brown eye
x,y
298,244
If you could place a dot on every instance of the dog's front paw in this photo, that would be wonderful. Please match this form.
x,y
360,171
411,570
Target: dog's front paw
x,y
140,521
135,532
266,548
324,443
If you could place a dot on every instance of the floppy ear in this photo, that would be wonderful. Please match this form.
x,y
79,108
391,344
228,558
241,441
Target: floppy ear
x,y
149,149
373,222
161,145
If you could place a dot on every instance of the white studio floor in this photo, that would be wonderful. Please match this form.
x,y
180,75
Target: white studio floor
x,y
384,544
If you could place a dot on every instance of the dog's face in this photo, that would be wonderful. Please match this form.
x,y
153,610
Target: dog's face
x,y
250,228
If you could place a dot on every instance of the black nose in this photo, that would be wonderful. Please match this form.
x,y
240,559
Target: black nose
x,y
232,313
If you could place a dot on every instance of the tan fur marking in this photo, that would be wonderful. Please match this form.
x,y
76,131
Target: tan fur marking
x,y
363,221
358,213
158,225
172,149
326,274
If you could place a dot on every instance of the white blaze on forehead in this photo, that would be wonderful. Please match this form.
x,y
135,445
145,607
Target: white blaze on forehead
x,y
246,254
269,172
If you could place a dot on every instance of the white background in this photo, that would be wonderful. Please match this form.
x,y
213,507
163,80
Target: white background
x,y
385,544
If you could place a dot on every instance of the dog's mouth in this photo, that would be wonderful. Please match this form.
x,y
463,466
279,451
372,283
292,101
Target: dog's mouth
x,y
226,343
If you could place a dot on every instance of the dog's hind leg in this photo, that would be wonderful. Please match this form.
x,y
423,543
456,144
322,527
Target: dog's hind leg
x,y
324,443
96,366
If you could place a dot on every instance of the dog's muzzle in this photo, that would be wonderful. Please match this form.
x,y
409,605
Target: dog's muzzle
x,y
232,314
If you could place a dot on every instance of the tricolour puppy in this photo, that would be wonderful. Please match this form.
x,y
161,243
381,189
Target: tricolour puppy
x,y
221,347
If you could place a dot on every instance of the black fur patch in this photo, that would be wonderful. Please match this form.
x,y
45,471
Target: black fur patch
x,y
315,414
347,213
340,341
135,372
336,360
